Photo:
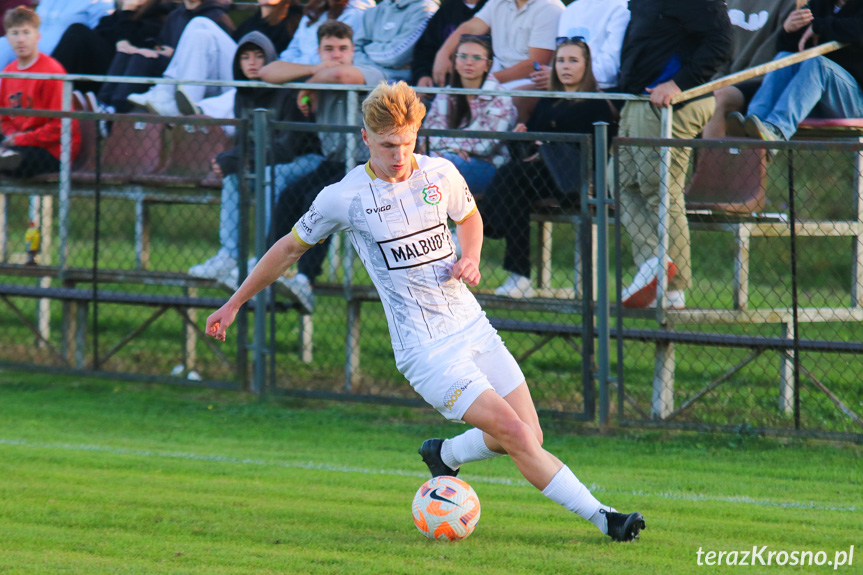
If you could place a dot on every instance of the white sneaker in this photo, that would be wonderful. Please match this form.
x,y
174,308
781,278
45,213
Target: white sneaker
x,y
298,287
156,101
675,299
215,267
515,286
642,290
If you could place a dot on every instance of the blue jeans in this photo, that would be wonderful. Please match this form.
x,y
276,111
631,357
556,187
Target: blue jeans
x,y
818,86
477,173
229,217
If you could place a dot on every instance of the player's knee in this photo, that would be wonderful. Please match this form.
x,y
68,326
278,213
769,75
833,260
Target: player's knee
x,y
537,432
517,436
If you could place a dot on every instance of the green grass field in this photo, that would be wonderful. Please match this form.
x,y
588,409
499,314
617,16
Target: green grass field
x,y
105,477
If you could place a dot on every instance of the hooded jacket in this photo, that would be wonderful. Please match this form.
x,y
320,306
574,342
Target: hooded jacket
x,y
286,144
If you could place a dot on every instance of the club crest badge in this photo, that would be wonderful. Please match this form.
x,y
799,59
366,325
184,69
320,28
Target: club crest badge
x,y
432,195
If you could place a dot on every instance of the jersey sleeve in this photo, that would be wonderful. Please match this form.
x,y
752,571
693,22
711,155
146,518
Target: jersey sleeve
x,y
461,204
325,216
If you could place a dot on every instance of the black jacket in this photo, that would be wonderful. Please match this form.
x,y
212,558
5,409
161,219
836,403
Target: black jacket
x,y
141,32
280,34
176,21
444,22
845,26
696,31
286,144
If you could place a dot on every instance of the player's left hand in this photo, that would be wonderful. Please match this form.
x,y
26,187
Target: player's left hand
x,y
219,320
467,270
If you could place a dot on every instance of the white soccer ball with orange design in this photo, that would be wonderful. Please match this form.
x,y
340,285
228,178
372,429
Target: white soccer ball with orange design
x,y
446,509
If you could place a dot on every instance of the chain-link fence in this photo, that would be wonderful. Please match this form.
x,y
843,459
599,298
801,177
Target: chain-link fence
x,y
155,221
761,322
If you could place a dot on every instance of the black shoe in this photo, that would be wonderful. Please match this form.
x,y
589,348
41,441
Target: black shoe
x,y
624,527
430,451
735,125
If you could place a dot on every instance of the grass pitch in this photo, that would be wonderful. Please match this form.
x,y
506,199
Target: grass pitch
x,y
104,477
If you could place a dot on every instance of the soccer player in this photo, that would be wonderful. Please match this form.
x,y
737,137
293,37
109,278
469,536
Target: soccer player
x,y
394,209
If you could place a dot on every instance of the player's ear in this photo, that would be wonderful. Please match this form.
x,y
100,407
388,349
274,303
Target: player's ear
x,y
365,136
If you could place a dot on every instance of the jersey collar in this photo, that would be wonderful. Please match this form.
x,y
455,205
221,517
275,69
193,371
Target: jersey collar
x,y
371,172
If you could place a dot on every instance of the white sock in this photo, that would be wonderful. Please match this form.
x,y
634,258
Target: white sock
x,y
566,490
464,448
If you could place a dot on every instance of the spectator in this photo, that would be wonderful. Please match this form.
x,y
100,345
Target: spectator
x,y
388,33
534,173
30,145
522,35
329,107
153,62
82,50
55,17
206,52
450,15
755,28
828,86
602,24
8,5
661,57
294,153
303,49
477,159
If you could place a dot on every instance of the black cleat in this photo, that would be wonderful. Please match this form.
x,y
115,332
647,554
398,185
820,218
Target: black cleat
x,y
430,451
624,527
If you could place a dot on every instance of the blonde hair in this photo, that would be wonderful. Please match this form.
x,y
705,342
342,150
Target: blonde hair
x,y
392,107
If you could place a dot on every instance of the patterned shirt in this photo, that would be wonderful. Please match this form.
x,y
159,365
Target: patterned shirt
x,y
400,232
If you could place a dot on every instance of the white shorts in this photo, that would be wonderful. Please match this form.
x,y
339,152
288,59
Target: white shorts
x,y
451,373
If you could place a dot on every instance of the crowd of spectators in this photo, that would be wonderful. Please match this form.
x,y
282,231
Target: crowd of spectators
x,y
652,47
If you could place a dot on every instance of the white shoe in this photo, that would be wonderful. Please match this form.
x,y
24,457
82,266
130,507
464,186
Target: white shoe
x,y
515,286
185,104
156,101
298,287
642,290
675,299
219,265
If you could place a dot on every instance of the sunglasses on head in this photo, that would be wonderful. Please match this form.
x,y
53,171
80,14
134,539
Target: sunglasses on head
x,y
483,37
568,39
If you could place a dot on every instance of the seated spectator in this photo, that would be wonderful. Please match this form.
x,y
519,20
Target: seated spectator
x,y
303,49
450,15
477,159
602,24
113,97
206,52
535,173
828,86
55,17
388,33
294,153
30,145
8,5
329,107
755,28
82,50
522,36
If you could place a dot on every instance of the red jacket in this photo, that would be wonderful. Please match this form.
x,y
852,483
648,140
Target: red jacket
x,y
36,95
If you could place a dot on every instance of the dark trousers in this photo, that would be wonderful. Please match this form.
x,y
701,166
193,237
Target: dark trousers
x,y
506,208
34,161
294,201
83,51
130,65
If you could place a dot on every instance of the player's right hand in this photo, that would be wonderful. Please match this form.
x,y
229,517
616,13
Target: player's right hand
x,y
467,270
218,322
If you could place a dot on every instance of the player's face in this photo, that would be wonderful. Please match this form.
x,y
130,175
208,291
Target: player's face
x,y
471,61
24,41
569,65
251,62
339,50
391,152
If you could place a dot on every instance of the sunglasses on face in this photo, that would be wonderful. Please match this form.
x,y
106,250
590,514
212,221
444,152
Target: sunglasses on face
x,y
465,57
567,40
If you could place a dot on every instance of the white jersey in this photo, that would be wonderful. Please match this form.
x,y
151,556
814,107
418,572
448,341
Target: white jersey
x,y
400,232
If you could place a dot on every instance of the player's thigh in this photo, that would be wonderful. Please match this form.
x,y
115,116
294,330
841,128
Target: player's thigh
x,y
492,414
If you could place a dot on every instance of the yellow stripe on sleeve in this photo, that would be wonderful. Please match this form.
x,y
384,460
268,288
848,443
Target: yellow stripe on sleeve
x,y
299,239
472,212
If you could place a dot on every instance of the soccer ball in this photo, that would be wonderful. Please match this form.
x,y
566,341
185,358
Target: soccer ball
x,y
446,509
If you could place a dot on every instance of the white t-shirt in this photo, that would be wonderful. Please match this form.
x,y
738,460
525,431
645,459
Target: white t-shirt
x,y
514,30
400,232
602,24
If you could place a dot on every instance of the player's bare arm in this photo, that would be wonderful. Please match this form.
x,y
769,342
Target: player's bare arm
x,y
278,258
470,238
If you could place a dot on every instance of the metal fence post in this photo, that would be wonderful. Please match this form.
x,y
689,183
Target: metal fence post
x,y
260,155
65,178
352,337
601,308
243,248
